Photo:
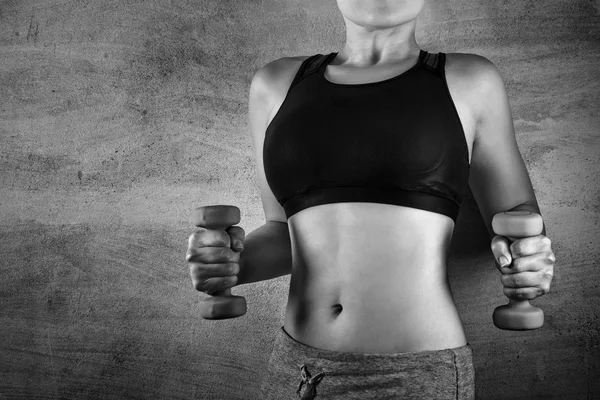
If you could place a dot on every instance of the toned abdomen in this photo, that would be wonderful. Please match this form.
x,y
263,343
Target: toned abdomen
x,y
371,278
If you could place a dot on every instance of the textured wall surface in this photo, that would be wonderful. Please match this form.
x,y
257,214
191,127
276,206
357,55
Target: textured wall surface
x,y
118,118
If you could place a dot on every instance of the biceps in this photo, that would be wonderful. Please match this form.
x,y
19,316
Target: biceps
x,y
498,178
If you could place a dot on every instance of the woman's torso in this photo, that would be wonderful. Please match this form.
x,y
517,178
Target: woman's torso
x,y
370,277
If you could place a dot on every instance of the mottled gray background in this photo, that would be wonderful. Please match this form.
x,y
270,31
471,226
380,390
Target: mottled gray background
x,y
118,118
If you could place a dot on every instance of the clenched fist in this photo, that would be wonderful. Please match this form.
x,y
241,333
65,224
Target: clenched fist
x,y
527,265
213,257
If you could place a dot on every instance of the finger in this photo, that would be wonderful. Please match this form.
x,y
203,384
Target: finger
x,y
528,280
535,262
201,271
529,245
209,238
525,293
203,284
211,255
212,285
522,279
237,236
501,251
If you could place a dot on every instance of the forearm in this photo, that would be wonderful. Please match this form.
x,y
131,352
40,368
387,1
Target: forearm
x,y
267,253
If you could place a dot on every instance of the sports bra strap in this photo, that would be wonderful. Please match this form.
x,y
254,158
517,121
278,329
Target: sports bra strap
x,y
435,63
308,66
316,64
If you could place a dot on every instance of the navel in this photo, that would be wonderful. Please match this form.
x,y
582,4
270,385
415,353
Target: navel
x,y
337,309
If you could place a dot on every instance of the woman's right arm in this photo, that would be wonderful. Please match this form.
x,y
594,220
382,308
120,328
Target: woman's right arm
x,y
267,250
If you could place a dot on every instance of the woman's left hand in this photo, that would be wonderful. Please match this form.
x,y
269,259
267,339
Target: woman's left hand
x,y
528,268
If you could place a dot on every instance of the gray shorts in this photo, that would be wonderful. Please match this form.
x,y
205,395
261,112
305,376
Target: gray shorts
x,y
299,371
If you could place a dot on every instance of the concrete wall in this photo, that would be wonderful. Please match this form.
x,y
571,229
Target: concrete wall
x,y
118,118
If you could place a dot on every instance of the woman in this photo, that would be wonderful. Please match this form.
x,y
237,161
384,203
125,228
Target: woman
x,y
362,158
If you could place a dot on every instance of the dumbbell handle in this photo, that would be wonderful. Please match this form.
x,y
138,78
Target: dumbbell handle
x,y
518,314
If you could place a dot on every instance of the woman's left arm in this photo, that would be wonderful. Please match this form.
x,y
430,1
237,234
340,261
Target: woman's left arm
x,y
500,182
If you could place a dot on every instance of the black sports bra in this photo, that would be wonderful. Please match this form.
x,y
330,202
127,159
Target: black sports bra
x,y
397,141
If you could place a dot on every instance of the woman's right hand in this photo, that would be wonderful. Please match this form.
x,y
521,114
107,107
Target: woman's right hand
x,y
213,257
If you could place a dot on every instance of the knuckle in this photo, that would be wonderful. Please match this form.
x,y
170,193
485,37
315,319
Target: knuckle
x,y
496,242
516,247
545,289
211,285
224,283
217,254
517,264
223,239
551,258
516,281
224,253
189,254
233,268
233,256
546,240
196,235
227,268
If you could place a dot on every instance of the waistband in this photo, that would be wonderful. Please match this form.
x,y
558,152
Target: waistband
x,y
454,355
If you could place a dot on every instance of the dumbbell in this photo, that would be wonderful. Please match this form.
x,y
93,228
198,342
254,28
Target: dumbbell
x,y
518,315
221,304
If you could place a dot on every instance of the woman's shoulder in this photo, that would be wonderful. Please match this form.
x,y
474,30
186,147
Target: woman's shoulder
x,y
474,76
280,67
276,74
477,82
472,68
469,63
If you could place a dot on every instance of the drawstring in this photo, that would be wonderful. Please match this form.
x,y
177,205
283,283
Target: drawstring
x,y
311,383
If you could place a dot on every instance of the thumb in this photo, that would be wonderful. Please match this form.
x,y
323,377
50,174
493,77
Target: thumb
x,y
237,236
501,250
